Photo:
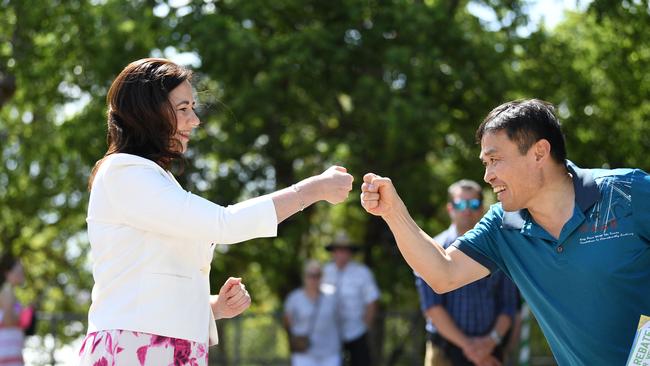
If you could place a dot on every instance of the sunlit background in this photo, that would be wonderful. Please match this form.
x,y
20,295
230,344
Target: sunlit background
x,y
287,88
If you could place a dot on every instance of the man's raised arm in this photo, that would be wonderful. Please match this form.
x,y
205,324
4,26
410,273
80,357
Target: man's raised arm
x,y
442,270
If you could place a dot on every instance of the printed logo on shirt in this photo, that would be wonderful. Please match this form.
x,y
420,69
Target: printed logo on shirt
x,y
588,239
604,220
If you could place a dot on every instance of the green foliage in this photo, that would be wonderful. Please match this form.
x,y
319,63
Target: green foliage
x,y
372,87
594,67
288,88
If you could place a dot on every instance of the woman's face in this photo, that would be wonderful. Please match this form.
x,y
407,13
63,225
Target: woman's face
x,y
183,103
16,276
312,278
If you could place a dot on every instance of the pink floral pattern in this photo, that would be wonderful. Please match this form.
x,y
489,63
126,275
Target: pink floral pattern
x,y
122,347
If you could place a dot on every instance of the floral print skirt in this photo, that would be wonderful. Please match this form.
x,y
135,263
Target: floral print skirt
x,y
123,347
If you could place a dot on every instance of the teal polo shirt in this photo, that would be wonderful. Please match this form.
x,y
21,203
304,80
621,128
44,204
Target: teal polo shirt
x,y
588,288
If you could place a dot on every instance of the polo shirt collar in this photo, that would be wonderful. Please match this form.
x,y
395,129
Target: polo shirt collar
x,y
514,219
584,185
586,194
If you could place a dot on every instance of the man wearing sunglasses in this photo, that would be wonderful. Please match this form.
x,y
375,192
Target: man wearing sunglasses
x,y
466,326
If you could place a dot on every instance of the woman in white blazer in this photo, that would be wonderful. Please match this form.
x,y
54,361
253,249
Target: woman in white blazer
x,y
152,241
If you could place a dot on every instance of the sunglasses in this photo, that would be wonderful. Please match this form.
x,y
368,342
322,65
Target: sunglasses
x,y
461,205
314,274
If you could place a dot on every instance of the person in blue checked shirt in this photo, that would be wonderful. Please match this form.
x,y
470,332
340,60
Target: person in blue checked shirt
x,y
575,241
466,326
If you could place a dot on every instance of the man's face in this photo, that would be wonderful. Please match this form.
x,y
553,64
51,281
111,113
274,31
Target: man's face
x,y
341,256
515,178
465,210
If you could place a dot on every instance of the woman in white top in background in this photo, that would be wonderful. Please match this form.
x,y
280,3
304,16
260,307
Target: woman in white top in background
x,y
152,242
311,312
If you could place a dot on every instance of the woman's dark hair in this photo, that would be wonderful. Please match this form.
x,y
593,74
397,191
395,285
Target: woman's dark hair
x,y
526,122
141,119
7,262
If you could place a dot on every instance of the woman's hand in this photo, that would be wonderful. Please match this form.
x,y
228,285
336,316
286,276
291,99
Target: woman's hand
x,y
335,184
232,300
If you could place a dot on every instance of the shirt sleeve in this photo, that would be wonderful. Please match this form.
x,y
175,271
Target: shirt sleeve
x,y
428,298
289,304
641,203
479,243
146,199
370,289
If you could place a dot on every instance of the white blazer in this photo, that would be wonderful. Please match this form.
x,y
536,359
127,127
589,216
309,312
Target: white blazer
x,y
152,243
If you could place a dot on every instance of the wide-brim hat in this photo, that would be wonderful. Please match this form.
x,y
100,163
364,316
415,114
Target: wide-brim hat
x,y
342,241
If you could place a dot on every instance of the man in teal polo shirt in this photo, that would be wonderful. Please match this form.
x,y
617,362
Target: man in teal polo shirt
x,y
575,241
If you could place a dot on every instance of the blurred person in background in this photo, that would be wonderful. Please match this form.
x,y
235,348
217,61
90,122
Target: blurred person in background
x,y
152,242
511,349
310,318
357,298
13,316
467,326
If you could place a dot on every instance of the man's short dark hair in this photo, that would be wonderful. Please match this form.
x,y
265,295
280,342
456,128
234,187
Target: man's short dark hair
x,y
526,122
